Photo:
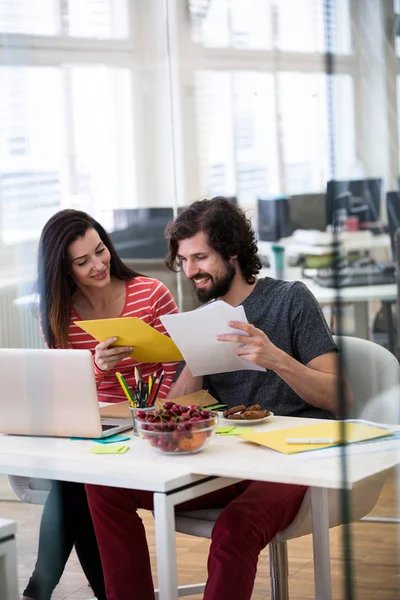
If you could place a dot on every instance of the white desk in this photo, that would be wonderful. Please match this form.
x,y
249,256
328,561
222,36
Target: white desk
x,y
176,479
360,296
69,460
320,243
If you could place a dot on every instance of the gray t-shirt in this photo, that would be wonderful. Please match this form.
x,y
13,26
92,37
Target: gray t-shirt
x,y
291,317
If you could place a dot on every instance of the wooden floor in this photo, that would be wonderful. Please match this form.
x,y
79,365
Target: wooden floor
x,y
375,564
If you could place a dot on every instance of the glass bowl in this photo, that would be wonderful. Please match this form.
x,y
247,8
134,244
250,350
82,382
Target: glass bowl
x,y
134,419
169,436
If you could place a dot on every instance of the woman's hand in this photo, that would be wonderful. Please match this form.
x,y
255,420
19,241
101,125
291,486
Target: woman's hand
x,y
106,358
256,346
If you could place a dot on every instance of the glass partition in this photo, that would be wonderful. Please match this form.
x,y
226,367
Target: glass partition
x,y
131,110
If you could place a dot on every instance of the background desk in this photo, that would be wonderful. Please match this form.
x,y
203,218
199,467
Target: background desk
x,y
179,478
320,243
359,296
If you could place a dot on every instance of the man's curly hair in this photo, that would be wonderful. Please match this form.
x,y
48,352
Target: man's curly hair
x,y
228,230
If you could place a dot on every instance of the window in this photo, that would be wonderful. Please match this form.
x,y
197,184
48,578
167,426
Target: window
x,y
300,25
237,134
235,23
255,135
305,133
262,119
214,133
65,140
97,18
241,116
30,180
79,18
32,17
66,124
288,25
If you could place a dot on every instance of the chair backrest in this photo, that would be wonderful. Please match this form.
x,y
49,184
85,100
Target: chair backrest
x,y
30,489
374,375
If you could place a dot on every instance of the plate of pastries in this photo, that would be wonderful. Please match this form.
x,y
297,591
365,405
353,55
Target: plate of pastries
x,y
245,415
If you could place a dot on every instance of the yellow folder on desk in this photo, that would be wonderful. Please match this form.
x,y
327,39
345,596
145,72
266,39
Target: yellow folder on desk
x,y
354,432
149,344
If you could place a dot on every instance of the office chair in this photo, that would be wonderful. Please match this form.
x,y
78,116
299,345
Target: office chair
x,y
374,374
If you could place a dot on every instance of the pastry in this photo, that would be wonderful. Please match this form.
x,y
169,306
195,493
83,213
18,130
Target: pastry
x,y
234,410
241,413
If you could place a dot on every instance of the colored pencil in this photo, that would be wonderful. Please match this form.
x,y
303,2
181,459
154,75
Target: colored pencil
x,y
153,397
125,387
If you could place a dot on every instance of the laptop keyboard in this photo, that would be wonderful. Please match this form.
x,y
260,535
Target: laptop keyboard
x,y
105,427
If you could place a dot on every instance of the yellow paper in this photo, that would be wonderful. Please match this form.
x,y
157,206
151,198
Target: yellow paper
x,y
119,410
276,439
109,449
149,344
200,398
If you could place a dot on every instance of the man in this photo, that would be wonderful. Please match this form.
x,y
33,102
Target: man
x,y
214,244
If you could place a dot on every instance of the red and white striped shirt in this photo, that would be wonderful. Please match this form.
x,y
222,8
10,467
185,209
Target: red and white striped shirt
x,y
146,299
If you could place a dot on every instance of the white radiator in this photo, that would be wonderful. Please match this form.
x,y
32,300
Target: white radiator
x,y
19,322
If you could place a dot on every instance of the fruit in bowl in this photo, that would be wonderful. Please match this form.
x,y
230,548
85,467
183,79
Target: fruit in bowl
x,y
176,429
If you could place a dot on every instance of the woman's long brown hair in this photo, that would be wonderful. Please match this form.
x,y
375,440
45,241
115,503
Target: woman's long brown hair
x,y
55,284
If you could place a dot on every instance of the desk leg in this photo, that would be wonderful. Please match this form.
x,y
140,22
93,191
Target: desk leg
x,y
165,543
320,523
361,320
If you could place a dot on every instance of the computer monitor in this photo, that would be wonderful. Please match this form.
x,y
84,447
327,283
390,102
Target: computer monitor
x,y
273,219
139,232
308,211
359,198
393,213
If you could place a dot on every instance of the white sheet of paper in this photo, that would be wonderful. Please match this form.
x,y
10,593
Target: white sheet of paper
x,y
195,333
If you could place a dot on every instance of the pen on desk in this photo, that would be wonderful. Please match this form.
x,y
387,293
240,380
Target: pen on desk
x,y
310,441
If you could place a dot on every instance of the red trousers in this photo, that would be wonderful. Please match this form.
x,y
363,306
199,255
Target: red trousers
x,y
253,514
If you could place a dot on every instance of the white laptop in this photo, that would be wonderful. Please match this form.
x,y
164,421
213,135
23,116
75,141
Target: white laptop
x,y
52,392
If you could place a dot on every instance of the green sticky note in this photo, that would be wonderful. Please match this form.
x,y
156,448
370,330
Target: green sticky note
x,y
109,449
224,430
238,431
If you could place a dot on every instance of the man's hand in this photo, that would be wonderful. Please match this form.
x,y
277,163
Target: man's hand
x,y
106,358
256,346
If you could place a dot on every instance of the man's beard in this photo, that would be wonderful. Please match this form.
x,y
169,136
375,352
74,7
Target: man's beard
x,y
220,285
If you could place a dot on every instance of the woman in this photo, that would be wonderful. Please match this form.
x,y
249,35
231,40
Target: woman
x,y
80,277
